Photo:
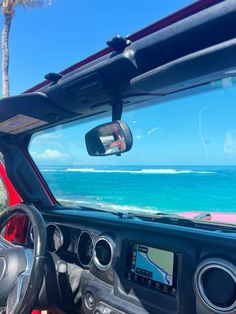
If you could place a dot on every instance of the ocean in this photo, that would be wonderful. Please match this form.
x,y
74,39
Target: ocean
x,y
153,188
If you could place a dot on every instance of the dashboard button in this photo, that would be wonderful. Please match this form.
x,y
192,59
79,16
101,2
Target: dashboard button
x,y
61,267
89,301
102,309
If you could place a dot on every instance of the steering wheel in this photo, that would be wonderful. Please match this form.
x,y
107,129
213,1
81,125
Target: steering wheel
x,y
21,269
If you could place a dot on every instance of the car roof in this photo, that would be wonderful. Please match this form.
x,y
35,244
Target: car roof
x,y
190,48
158,25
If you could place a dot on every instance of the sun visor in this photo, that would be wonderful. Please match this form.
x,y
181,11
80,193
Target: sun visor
x,y
29,112
195,69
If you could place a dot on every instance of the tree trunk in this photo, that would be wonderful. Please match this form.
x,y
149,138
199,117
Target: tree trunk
x,y
5,54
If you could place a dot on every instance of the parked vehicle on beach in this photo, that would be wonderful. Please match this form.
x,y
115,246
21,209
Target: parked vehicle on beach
x,y
120,176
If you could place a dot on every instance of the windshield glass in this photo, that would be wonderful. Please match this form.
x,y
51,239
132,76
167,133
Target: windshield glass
x,y
183,159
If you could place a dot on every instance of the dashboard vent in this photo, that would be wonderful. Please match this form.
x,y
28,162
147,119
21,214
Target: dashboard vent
x,y
85,248
103,252
215,285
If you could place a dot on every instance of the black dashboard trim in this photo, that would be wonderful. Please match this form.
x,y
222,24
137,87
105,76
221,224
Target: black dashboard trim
x,y
191,246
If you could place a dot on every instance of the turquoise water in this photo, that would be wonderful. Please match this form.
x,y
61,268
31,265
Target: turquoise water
x,y
165,189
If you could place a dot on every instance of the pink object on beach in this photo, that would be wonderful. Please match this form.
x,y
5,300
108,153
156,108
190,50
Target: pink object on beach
x,y
215,216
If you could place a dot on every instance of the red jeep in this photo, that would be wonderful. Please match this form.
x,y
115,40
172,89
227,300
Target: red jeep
x,y
119,178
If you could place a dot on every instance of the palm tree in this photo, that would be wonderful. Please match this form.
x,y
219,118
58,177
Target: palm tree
x,y
8,11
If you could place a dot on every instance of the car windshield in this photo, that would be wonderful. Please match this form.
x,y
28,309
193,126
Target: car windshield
x,y
183,159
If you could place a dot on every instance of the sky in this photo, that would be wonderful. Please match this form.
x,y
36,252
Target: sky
x,y
193,130
52,38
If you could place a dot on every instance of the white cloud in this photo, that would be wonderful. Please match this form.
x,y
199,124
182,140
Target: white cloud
x,y
50,154
230,142
47,139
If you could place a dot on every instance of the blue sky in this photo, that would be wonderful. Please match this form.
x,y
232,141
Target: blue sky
x,y
194,130
53,38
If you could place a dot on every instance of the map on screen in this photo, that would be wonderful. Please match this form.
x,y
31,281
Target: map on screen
x,y
153,263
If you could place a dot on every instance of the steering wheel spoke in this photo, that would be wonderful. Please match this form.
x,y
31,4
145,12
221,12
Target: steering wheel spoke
x,y
4,244
21,284
17,293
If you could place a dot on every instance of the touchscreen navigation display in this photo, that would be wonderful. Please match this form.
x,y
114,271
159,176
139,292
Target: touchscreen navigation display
x,y
152,267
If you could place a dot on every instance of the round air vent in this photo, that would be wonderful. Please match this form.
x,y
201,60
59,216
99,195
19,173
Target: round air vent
x,y
103,252
55,238
85,248
215,285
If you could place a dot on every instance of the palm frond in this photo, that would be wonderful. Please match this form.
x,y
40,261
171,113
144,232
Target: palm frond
x,y
34,3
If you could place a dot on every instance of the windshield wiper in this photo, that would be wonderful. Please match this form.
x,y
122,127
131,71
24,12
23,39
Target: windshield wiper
x,y
175,219
161,217
125,215
158,217
166,218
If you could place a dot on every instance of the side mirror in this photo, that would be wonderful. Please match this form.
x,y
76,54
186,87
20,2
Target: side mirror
x,y
111,138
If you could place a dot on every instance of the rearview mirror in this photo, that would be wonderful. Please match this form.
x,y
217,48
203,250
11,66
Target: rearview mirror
x,y
111,138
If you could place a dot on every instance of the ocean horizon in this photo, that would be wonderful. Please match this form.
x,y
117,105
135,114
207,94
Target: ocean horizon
x,y
149,188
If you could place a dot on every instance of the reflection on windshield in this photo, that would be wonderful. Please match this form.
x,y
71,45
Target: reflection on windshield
x,y
182,160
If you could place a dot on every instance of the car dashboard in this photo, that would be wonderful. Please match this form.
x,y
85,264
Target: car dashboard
x,y
130,265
